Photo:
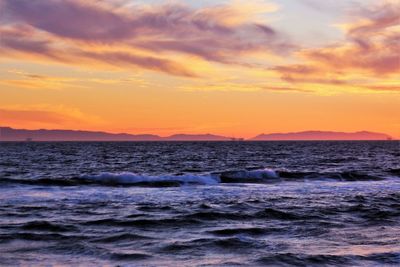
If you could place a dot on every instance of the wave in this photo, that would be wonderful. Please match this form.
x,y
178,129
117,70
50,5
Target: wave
x,y
254,231
47,226
128,178
248,176
337,176
38,237
261,176
120,237
129,256
290,259
145,223
228,243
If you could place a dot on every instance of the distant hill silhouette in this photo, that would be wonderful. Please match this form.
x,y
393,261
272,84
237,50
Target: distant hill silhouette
x,y
10,134
321,135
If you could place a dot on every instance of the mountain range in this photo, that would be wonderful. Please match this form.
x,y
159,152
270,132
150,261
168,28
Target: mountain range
x,y
321,135
10,134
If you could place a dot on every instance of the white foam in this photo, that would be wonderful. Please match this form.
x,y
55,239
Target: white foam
x,y
126,178
129,178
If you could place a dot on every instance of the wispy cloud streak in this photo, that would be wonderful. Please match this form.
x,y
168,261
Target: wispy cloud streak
x,y
371,50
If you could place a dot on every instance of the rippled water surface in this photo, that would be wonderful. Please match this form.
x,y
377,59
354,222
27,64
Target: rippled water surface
x,y
200,204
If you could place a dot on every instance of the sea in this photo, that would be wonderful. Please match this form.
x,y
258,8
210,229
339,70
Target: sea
x,y
332,203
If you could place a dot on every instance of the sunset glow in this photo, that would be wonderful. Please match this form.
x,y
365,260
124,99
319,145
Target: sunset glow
x,y
235,68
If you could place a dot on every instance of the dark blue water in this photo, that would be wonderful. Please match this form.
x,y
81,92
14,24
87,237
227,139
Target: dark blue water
x,y
200,204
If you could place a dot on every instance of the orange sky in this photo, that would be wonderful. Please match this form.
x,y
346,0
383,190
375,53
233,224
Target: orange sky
x,y
237,68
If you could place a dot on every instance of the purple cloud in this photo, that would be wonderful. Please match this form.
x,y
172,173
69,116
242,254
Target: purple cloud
x,y
164,28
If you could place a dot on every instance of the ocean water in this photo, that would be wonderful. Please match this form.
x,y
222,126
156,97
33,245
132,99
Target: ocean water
x,y
200,204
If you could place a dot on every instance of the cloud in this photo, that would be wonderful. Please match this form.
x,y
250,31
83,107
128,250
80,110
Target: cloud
x,y
308,74
384,87
73,31
146,62
45,116
285,89
12,116
22,38
73,19
22,79
38,81
371,51
232,86
105,22
20,44
180,40
372,42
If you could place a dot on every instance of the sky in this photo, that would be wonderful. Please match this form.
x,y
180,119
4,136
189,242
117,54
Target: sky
x,y
236,68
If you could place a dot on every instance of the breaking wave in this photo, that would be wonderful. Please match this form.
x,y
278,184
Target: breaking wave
x,y
262,176
128,178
